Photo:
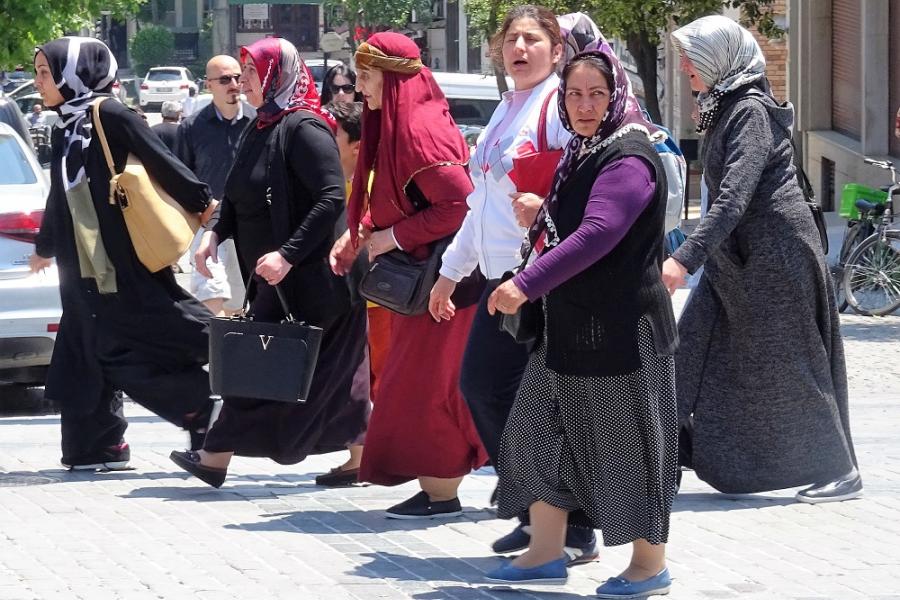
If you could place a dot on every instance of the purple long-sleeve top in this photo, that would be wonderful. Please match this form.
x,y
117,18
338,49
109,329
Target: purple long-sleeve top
x,y
619,195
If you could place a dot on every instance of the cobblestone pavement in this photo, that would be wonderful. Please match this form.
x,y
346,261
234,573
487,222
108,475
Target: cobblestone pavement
x,y
270,533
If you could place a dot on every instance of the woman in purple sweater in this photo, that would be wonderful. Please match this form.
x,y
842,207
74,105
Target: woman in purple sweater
x,y
593,431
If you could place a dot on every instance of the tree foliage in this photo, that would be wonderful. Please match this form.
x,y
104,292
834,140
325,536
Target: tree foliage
x,y
152,46
369,16
29,23
639,23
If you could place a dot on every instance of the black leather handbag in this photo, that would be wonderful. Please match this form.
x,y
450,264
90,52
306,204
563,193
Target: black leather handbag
x,y
526,325
398,281
268,361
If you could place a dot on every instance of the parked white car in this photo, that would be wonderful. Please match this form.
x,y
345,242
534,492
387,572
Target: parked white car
x,y
29,302
166,83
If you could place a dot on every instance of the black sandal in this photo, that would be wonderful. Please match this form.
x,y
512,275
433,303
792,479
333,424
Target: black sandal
x,y
190,462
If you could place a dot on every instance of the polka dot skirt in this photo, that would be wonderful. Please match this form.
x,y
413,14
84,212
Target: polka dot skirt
x,y
605,445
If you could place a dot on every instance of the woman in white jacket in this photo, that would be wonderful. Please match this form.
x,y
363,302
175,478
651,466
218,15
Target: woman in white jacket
x,y
530,46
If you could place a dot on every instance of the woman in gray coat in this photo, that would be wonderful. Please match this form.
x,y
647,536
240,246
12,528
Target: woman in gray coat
x,y
761,380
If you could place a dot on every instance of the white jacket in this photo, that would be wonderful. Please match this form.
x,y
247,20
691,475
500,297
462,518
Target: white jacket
x,y
490,237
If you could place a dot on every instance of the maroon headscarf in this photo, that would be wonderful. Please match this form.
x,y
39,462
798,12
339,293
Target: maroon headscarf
x,y
287,84
413,131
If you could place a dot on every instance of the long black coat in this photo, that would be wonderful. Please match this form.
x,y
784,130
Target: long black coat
x,y
149,312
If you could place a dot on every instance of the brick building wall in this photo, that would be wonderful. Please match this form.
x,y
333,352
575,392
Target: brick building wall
x,y
776,53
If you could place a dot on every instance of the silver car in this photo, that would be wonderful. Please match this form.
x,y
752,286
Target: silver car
x,y
29,302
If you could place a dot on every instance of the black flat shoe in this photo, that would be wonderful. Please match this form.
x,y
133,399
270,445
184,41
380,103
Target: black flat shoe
x,y
420,506
845,488
190,462
338,477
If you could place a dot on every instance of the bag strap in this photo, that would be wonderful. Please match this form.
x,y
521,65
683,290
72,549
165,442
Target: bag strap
x,y
543,144
245,306
98,125
803,181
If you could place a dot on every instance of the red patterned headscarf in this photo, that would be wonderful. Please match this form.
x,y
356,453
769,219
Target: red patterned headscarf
x,y
287,84
413,131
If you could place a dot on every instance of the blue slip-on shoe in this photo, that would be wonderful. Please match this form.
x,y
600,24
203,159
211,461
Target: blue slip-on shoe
x,y
551,573
622,589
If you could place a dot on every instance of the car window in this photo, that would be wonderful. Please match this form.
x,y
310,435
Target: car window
x,y
318,72
16,168
164,75
469,111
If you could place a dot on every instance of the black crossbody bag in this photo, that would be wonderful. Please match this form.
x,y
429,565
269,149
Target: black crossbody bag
x,y
400,282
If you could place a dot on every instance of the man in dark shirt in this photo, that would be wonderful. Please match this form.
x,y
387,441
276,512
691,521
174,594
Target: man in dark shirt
x,y
168,129
207,143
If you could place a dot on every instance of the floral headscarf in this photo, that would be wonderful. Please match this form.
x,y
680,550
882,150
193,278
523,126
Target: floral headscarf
x,y
83,69
286,82
725,55
623,115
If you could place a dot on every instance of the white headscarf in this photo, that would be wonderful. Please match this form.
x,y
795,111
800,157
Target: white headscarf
x,y
725,55
83,69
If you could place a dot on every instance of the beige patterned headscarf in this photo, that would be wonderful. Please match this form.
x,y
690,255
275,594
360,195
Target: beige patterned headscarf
x,y
725,55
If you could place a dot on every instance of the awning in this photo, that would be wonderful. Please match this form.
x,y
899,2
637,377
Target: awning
x,y
281,2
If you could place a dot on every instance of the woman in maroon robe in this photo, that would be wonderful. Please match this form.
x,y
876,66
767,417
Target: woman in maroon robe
x,y
420,426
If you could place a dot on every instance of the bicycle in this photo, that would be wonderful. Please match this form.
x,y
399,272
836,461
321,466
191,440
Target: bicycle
x,y
871,278
858,229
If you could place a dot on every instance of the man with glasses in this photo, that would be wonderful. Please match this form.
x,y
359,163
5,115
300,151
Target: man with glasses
x,y
207,143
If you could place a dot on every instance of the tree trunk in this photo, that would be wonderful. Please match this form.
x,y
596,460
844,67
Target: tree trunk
x,y
645,55
492,23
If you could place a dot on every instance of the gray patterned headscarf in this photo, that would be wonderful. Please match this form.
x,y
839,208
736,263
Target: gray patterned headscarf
x,y
725,55
83,69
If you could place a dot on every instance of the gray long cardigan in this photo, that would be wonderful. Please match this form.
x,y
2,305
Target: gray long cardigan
x,y
760,371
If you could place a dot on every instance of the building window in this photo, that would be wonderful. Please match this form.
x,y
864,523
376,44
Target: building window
x,y
894,74
846,68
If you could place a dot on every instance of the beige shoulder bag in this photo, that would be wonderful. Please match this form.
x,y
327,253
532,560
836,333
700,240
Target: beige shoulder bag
x,y
160,228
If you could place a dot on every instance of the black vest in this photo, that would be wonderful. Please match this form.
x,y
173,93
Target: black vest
x,y
592,318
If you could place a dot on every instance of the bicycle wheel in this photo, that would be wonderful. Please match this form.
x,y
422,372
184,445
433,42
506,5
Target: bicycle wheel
x,y
859,231
872,275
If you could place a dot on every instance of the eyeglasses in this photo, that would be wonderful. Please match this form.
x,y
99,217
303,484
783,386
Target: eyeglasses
x,y
347,89
225,79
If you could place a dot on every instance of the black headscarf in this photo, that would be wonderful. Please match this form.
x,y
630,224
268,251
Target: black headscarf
x,y
83,69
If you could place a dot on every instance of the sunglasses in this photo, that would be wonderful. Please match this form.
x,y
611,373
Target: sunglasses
x,y
347,89
225,79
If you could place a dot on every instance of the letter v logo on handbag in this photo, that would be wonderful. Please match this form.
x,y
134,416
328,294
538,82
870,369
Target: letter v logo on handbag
x,y
265,339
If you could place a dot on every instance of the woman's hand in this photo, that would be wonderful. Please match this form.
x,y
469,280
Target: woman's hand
x,y
343,254
380,242
38,263
674,275
526,206
208,248
507,298
207,214
272,267
439,303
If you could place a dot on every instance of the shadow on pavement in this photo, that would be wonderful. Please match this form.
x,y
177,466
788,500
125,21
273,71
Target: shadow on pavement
x,y
871,329
349,522
494,592
390,566
718,502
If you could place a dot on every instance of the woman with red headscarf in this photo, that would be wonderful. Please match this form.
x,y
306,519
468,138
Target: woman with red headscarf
x,y
282,198
420,426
